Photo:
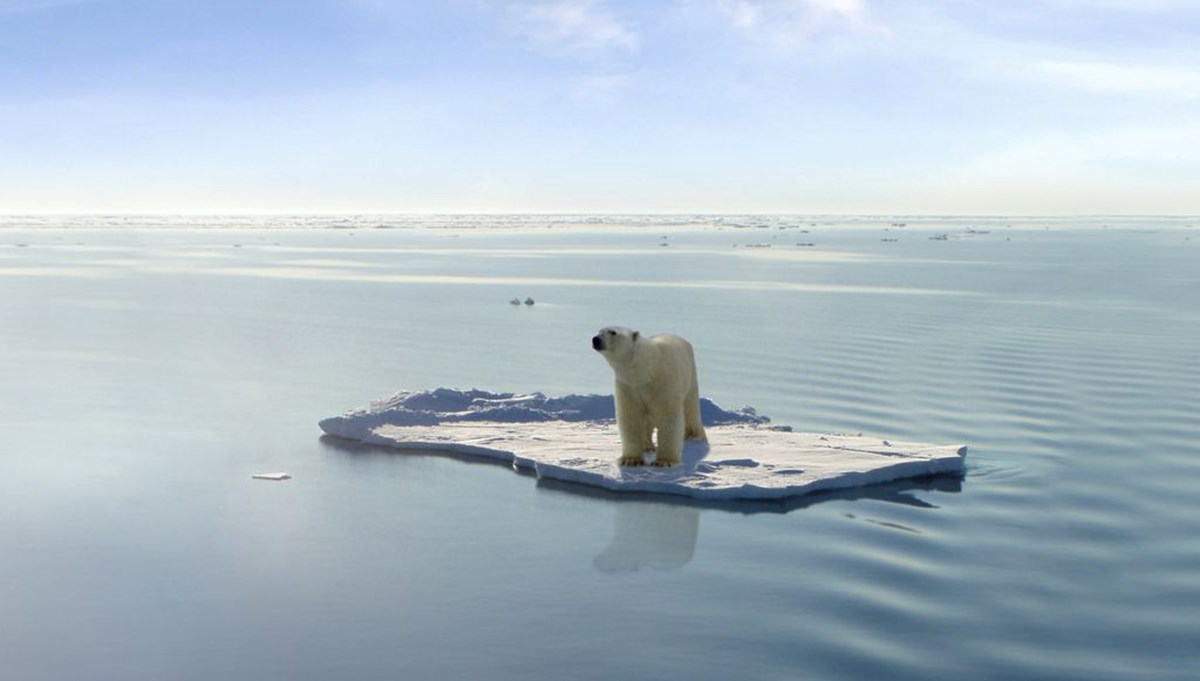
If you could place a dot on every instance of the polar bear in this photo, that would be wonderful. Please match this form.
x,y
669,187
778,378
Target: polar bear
x,y
656,389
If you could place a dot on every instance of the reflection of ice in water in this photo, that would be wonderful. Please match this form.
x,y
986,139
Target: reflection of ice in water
x,y
650,535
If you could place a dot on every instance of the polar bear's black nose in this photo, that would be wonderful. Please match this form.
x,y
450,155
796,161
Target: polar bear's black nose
x,y
597,343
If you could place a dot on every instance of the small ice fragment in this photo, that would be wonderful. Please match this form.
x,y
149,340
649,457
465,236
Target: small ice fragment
x,y
271,476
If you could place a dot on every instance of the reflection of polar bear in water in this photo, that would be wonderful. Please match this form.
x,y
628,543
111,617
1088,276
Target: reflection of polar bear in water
x,y
656,390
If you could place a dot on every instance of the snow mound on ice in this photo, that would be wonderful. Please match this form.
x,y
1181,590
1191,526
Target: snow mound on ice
x,y
447,405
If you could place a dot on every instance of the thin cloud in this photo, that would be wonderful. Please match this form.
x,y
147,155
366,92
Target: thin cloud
x,y
601,90
1120,79
792,23
849,13
573,27
1133,168
742,14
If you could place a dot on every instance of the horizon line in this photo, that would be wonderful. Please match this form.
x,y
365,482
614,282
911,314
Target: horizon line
x,y
324,214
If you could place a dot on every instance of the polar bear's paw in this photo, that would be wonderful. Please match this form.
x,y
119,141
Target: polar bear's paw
x,y
664,464
637,460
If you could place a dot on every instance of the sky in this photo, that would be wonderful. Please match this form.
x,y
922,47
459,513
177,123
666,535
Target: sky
x,y
1020,107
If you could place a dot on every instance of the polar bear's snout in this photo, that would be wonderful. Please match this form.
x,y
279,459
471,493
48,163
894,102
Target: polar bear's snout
x,y
597,343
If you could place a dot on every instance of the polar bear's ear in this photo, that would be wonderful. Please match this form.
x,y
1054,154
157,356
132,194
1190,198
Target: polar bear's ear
x,y
635,335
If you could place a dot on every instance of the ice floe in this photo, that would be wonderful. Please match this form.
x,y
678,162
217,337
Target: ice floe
x,y
574,439
272,476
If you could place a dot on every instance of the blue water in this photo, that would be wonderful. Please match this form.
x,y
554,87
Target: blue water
x,y
148,371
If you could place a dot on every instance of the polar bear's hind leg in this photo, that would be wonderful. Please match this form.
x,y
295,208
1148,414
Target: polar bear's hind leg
x,y
694,429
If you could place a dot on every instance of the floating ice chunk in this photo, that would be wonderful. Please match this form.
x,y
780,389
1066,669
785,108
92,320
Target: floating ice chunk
x,y
574,439
271,476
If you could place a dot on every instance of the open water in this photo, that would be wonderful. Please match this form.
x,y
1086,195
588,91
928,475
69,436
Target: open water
x,y
149,367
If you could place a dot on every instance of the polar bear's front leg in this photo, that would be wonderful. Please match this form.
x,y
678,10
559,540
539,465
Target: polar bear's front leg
x,y
634,426
670,439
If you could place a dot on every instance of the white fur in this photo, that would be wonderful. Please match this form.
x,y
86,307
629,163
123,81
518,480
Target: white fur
x,y
656,390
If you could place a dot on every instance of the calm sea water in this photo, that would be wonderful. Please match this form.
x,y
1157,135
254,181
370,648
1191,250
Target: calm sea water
x,y
148,372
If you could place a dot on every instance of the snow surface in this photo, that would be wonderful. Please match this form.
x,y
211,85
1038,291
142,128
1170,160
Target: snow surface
x,y
575,439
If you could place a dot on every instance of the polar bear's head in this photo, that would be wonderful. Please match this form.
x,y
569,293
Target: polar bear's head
x,y
615,343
